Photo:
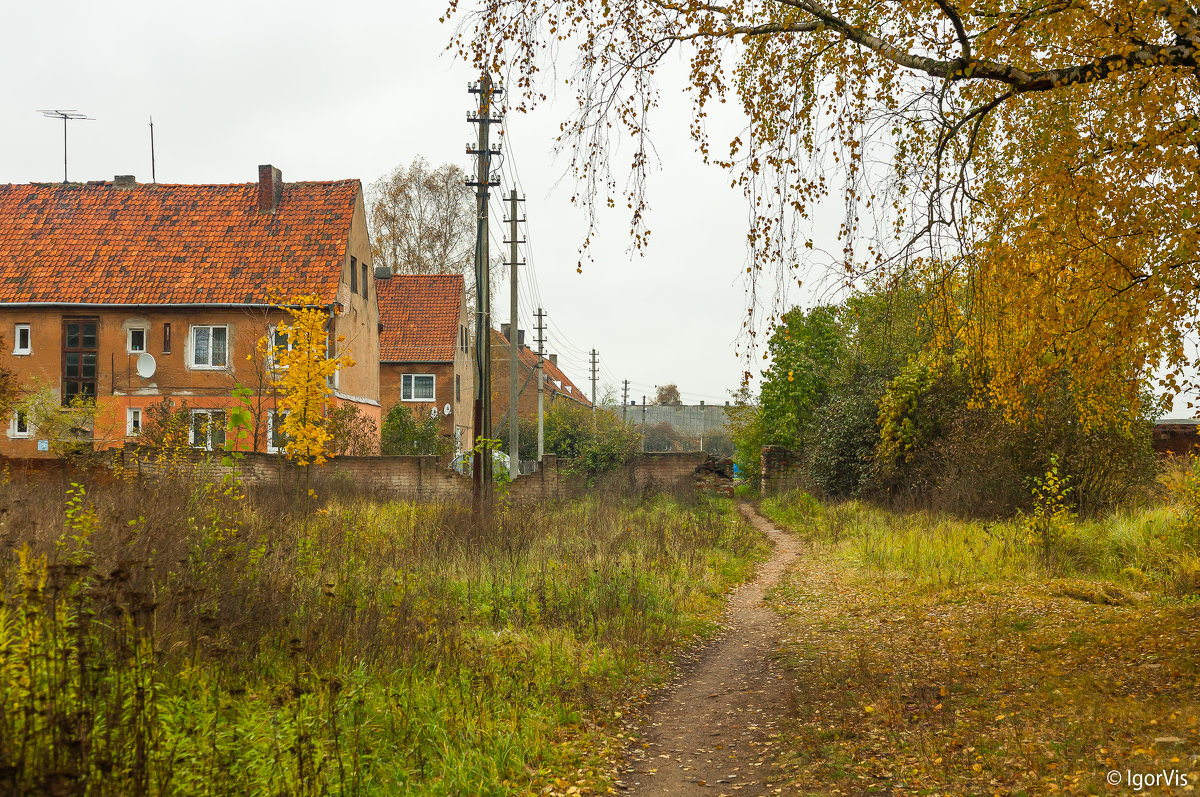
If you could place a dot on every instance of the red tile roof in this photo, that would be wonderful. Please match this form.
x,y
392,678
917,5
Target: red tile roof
x,y
95,243
419,313
528,359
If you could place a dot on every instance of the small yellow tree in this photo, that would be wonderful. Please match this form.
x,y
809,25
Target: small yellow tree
x,y
304,359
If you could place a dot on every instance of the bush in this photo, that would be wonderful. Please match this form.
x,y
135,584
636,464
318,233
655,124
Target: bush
x,y
351,432
406,431
589,442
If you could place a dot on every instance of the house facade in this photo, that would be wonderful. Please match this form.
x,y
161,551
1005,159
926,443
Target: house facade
x,y
425,351
556,385
133,294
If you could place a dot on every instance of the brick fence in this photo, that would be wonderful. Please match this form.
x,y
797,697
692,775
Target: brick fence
x,y
780,469
424,478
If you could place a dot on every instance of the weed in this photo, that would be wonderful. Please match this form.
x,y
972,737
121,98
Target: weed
x,y
170,637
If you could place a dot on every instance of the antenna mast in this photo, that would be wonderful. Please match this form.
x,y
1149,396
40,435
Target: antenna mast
x,y
153,175
67,115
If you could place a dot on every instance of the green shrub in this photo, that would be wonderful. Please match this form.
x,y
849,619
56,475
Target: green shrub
x,y
405,431
590,442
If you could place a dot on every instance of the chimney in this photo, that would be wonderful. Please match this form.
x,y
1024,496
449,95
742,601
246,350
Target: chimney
x,y
124,181
270,186
554,360
520,337
504,330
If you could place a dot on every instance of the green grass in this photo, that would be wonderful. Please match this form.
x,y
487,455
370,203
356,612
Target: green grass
x,y
935,655
1154,549
192,640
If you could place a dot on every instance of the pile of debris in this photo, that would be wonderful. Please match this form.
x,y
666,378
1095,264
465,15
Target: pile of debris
x,y
715,475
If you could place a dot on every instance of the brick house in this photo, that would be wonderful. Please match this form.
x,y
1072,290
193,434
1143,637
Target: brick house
x,y
133,293
425,350
556,385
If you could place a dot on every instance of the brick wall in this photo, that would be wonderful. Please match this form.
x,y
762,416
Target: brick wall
x,y
668,472
425,478
780,469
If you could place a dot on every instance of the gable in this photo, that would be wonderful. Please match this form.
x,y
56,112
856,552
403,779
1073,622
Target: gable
x,y
420,315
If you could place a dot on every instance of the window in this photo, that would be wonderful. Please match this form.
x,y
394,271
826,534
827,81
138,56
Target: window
x,y
20,425
353,274
364,280
166,338
416,387
136,340
457,391
210,347
133,421
79,358
280,340
331,351
22,340
208,429
276,439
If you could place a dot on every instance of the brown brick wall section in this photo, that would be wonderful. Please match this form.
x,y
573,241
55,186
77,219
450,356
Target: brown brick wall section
x,y
426,478
780,469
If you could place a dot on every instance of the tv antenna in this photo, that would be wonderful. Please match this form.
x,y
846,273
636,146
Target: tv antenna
x,y
153,173
67,115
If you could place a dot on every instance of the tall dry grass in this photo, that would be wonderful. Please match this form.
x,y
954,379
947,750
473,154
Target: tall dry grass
x,y
167,637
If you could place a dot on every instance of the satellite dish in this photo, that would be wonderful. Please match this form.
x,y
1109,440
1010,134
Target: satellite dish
x,y
433,411
446,410
145,365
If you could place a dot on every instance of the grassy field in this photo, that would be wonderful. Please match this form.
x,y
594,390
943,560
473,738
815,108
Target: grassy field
x,y
174,638
938,656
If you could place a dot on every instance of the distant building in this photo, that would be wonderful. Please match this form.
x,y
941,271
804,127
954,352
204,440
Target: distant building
x,y
557,386
131,293
425,350
681,427
1178,436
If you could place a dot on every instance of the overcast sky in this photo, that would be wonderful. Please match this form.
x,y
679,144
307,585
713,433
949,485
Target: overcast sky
x,y
327,91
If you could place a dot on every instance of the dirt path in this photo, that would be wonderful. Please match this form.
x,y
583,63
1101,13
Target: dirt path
x,y
712,732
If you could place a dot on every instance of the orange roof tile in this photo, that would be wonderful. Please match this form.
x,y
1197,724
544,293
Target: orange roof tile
x,y
419,313
95,243
551,373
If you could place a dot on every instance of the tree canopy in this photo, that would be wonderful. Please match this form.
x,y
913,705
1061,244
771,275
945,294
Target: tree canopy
x,y
423,219
668,395
1040,157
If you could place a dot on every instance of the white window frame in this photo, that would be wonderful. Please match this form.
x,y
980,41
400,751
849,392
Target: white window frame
x,y
208,442
145,340
410,381
330,352
271,416
191,357
132,413
14,425
271,364
17,348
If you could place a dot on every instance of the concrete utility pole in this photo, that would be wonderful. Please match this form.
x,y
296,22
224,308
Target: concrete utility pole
x,y
643,423
541,340
595,360
481,470
514,450
624,401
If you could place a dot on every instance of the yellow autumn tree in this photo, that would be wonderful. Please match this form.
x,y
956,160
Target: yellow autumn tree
x,y
304,357
1044,153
